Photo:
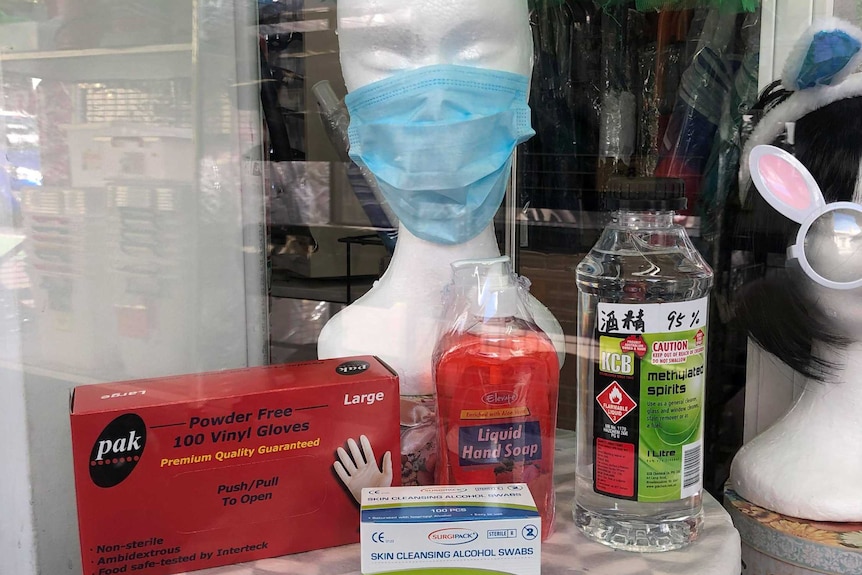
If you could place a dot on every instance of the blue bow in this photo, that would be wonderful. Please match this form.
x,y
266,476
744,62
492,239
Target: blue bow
x,y
829,53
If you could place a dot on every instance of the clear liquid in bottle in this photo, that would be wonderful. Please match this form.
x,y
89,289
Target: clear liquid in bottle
x,y
643,304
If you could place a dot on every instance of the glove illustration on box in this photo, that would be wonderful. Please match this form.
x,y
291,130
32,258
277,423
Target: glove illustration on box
x,y
358,469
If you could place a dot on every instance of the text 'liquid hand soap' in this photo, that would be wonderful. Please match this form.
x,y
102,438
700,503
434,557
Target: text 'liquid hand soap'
x,y
497,381
642,337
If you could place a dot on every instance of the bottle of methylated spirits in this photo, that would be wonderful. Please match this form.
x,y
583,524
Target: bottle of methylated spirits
x,y
642,336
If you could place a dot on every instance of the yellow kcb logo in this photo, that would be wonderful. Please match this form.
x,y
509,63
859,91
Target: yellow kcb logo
x,y
617,362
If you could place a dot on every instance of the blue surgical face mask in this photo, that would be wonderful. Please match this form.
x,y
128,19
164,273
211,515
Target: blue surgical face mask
x,y
439,140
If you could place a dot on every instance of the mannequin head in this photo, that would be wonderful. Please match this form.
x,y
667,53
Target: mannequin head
x,y
380,37
817,109
788,314
808,318
438,102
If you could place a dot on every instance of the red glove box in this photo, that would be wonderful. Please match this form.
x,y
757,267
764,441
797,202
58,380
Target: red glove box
x,y
182,473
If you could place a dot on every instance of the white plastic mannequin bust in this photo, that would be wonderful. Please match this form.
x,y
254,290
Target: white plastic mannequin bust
x,y
398,319
809,463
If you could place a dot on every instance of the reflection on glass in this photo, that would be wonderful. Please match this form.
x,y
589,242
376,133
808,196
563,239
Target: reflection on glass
x,y
120,142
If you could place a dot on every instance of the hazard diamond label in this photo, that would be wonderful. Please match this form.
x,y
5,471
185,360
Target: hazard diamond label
x,y
615,402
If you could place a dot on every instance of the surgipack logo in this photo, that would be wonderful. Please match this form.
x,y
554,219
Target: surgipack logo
x,y
117,450
453,536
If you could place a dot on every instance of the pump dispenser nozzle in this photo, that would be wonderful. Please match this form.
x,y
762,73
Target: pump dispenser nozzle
x,y
493,291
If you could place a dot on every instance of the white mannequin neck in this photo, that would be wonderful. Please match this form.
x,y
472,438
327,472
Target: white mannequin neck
x,y
809,463
843,387
398,319
416,258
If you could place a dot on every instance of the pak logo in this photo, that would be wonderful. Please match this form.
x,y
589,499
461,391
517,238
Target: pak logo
x,y
117,450
352,367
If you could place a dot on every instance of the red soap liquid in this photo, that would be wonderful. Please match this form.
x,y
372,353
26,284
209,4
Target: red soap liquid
x,y
497,390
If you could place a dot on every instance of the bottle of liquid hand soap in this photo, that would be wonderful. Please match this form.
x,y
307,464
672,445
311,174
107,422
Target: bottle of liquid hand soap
x,y
497,383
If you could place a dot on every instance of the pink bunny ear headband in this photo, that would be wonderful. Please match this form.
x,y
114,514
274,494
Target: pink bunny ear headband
x,y
788,187
819,71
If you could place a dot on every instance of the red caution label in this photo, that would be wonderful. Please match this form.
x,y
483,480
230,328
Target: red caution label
x,y
615,467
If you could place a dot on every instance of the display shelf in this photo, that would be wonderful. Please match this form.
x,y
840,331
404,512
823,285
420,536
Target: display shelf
x,y
716,552
157,62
